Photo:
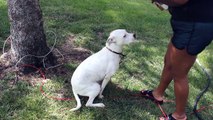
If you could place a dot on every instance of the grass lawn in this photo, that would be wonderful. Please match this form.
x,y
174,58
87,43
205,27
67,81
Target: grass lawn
x,y
90,22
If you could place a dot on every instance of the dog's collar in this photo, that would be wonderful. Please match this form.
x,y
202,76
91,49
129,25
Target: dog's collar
x,y
120,54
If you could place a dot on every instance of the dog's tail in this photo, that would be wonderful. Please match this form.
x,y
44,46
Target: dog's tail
x,y
78,102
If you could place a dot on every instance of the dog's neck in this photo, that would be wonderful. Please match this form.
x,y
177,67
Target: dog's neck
x,y
114,47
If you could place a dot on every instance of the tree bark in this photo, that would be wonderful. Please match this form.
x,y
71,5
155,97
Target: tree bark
x,y
27,33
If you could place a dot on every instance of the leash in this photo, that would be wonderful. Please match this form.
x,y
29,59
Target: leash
x,y
42,74
162,111
69,99
202,92
195,110
52,97
42,84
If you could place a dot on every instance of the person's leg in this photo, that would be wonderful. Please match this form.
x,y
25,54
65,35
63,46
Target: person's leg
x,y
181,64
180,38
166,76
182,61
177,65
189,39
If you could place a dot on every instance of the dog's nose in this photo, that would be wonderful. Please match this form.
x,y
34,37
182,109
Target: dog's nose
x,y
134,35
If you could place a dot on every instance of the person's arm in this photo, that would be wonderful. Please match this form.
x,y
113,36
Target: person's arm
x,y
172,2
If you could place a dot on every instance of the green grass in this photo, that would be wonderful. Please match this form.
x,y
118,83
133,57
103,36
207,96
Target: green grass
x,y
4,22
141,69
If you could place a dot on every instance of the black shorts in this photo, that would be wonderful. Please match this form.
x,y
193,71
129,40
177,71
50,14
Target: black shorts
x,y
192,36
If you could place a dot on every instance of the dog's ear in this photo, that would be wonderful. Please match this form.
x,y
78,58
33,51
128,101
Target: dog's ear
x,y
111,40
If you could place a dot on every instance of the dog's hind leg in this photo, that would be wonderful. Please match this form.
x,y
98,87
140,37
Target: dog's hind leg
x,y
91,104
93,92
78,102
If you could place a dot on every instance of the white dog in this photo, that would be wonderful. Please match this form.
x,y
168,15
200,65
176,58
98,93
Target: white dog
x,y
98,68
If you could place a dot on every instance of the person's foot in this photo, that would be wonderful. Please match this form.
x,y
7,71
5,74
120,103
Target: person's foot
x,y
179,117
156,96
148,94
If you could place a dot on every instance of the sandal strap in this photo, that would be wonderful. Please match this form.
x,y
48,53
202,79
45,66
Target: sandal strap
x,y
148,94
170,117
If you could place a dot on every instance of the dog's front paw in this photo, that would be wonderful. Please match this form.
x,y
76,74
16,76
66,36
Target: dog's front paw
x,y
101,96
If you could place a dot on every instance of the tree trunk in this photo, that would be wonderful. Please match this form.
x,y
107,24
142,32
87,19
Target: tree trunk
x,y
27,33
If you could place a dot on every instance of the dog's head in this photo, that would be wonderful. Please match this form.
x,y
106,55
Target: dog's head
x,y
121,37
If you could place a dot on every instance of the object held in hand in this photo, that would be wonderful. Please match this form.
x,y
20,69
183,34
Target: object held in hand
x,y
161,6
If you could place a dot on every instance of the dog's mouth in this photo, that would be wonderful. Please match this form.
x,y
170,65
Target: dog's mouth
x,y
134,38
134,35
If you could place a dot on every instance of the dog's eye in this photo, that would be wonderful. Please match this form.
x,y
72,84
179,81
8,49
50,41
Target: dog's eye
x,y
124,36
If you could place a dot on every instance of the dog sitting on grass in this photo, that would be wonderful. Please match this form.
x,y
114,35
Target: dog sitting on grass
x,y
99,68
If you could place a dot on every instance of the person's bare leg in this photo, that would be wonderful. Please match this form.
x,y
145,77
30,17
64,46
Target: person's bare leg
x,y
166,76
178,65
181,64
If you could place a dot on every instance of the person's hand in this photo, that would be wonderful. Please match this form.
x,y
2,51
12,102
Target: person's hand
x,y
160,5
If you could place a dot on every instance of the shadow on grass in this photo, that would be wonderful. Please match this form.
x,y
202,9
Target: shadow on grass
x,y
121,104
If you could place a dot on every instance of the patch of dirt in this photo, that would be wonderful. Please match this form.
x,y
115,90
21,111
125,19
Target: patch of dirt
x,y
71,53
